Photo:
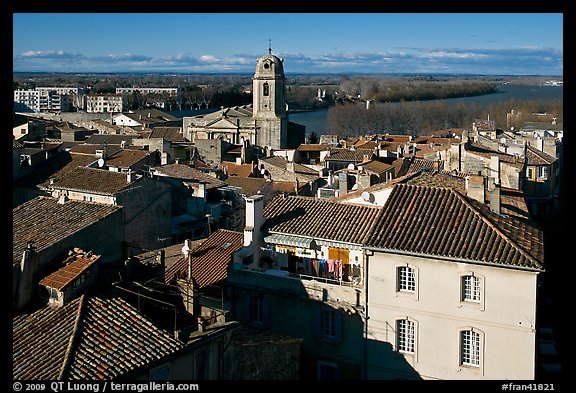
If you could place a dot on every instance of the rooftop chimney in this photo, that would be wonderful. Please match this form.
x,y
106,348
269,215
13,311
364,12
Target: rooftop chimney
x,y
495,200
254,221
130,176
62,199
475,188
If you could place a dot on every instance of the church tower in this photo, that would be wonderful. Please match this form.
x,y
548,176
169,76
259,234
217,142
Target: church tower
x,y
269,102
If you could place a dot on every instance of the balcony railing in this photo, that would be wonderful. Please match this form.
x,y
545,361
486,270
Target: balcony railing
x,y
305,277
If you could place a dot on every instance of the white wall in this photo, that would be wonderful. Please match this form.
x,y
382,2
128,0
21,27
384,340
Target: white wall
x,y
505,316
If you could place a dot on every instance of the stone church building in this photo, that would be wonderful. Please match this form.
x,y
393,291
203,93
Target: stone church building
x,y
264,124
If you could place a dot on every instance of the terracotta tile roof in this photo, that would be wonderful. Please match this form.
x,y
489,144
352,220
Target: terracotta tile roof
x,y
417,164
17,144
152,115
172,134
314,147
303,169
40,341
90,339
442,222
435,179
288,187
127,157
282,163
348,155
87,148
240,170
210,259
186,172
538,157
76,264
275,161
448,132
425,140
110,139
363,144
396,138
248,185
44,222
56,167
319,218
93,180
376,167
483,151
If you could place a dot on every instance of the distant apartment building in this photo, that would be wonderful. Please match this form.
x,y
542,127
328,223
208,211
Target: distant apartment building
x,y
46,99
172,91
63,90
105,103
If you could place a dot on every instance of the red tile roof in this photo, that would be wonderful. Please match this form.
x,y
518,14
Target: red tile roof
x,y
319,218
248,185
93,180
538,157
314,147
127,158
76,264
45,222
89,338
241,170
186,172
348,155
442,222
209,260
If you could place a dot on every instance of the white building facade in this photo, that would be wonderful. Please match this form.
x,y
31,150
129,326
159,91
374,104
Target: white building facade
x,y
451,292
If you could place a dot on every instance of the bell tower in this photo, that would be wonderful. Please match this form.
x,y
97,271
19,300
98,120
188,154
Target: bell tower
x,y
269,102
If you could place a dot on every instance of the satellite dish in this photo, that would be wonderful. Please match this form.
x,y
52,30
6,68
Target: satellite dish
x,y
350,166
368,197
360,168
503,141
100,162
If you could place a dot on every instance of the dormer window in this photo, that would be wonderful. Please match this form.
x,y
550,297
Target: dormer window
x,y
266,89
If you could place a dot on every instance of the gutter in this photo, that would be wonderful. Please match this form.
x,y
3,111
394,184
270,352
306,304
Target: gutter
x,y
452,259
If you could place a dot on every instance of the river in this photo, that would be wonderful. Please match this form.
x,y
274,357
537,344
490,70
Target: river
x,y
317,120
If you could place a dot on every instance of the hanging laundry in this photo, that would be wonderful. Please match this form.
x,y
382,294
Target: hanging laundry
x,y
307,266
330,265
314,267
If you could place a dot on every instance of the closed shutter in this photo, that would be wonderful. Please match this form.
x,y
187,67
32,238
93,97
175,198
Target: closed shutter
x,y
339,322
342,254
316,323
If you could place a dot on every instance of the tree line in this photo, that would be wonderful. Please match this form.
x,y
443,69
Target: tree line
x,y
422,118
396,89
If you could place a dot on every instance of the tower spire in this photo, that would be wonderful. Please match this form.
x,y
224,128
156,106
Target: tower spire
x,y
269,45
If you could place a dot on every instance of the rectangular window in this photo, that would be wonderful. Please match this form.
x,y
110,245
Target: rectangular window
x,y
406,279
329,323
405,336
530,173
543,172
470,348
471,288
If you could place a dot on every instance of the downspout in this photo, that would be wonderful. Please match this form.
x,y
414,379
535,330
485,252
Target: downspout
x,y
367,253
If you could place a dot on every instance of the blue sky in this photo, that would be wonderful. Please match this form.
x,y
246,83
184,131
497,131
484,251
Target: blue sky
x,y
491,43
